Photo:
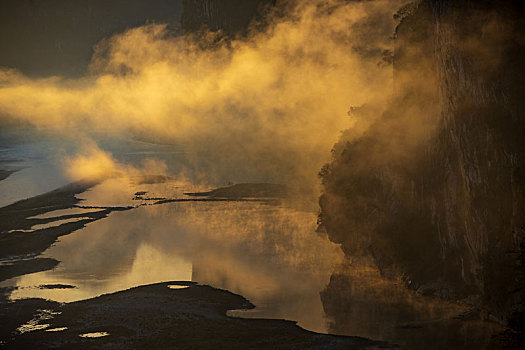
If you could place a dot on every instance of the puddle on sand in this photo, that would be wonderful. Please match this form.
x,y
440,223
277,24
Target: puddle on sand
x,y
94,335
58,329
57,223
63,212
35,323
174,286
31,326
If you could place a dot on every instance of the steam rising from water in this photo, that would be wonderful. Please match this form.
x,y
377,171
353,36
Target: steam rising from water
x,y
265,108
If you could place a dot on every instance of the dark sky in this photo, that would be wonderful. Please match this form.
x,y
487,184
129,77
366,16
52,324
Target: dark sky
x,y
50,37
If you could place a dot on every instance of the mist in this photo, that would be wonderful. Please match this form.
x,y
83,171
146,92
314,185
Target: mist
x,y
352,166
265,107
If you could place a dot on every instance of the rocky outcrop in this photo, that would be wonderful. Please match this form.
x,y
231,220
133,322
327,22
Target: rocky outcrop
x,y
434,190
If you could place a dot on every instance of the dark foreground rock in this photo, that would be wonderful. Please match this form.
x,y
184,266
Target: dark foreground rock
x,y
158,317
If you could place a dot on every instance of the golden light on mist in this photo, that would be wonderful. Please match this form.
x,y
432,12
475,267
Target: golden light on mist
x,y
269,106
90,163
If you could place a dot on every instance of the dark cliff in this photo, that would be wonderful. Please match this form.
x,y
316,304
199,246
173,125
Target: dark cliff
x,y
230,16
434,190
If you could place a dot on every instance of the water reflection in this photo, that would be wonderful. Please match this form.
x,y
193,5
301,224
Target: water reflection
x,y
269,254
59,329
57,223
360,302
96,270
176,286
94,335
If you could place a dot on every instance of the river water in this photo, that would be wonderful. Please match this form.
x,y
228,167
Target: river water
x,y
267,251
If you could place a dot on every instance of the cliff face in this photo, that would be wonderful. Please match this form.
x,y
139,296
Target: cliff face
x,y
232,16
434,190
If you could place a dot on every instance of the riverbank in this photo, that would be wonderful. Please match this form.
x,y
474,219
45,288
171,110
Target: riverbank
x,y
165,315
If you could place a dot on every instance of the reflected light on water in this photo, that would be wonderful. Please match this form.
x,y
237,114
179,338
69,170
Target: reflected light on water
x,y
59,329
269,254
361,302
149,265
94,335
35,323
